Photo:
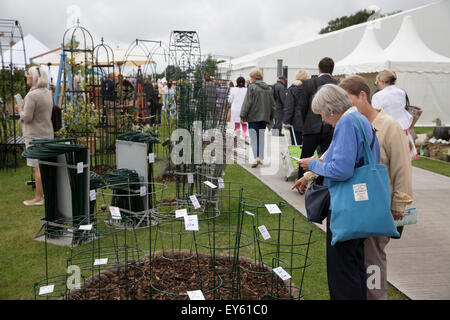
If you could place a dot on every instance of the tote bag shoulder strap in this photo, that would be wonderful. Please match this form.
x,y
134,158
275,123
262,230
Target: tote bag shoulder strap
x,y
367,150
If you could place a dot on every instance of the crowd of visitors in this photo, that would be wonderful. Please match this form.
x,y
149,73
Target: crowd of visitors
x,y
335,118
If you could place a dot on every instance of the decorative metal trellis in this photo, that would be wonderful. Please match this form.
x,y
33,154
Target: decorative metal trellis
x,y
12,82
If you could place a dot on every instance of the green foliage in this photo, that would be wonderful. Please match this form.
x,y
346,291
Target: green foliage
x,y
209,66
15,83
80,120
346,21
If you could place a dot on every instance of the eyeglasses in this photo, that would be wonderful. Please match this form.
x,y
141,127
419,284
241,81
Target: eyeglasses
x,y
39,72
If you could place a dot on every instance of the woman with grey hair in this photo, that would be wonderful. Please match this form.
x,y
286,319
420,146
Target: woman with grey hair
x,y
345,260
35,117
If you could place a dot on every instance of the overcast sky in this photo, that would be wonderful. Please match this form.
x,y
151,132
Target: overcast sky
x,y
227,27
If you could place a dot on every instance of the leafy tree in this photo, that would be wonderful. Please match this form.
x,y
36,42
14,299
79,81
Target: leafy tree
x,y
354,19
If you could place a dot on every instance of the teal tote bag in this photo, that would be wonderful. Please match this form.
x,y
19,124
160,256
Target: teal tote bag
x,y
361,206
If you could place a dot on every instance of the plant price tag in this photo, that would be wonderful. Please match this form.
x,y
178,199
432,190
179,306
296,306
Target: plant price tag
x,y
86,227
46,289
143,191
92,195
210,184
273,208
67,142
151,158
180,213
249,213
99,262
221,183
80,167
264,232
196,295
282,273
115,213
191,223
190,177
194,201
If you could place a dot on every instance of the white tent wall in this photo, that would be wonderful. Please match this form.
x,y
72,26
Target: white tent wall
x,y
429,91
431,21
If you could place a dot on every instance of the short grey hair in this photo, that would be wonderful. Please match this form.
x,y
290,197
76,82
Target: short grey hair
x,y
39,77
331,97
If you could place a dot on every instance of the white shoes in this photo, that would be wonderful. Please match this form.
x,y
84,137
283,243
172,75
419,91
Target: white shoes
x,y
37,203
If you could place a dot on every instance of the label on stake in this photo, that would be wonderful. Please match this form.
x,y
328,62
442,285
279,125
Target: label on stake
x,y
115,213
221,183
210,184
143,191
87,227
194,201
191,223
273,208
282,273
196,295
190,177
99,262
92,195
249,213
264,232
47,289
80,167
151,158
180,213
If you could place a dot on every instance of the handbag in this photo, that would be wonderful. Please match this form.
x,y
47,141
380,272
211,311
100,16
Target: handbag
x,y
416,112
361,205
317,201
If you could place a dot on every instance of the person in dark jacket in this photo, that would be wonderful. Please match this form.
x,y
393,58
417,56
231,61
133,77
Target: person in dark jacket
x,y
316,133
258,109
151,100
292,114
279,94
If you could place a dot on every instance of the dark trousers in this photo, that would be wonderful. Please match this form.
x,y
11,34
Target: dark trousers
x,y
298,137
310,144
345,268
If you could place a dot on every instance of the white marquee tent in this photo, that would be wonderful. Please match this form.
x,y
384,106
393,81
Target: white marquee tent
x,y
424,74
432,25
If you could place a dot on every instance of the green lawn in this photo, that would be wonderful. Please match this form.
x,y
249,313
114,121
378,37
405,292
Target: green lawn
x,y
22,260
433,165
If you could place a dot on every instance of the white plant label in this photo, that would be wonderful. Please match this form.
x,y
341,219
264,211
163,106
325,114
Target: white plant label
x,y
67,142
273,208
151,158
360,192
80,167
210,184
282,273
46,289
92,195
249,213
115,213
86,227
143,191
196,295
194,201
190,178
180,213
221,183
191,223
264,232
100,262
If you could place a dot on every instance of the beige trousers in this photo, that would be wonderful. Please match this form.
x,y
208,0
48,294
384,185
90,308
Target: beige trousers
x,y
375,256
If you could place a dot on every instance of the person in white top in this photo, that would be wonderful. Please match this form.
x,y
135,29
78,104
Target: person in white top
x,y
392,100
236,98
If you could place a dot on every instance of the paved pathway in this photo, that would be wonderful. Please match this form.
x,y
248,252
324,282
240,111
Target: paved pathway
x,y
418,263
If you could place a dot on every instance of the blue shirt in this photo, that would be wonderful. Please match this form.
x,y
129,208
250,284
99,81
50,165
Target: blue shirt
x,y
346,149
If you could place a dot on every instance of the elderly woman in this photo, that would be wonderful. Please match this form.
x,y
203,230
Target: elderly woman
x,y
345,260
35,116
258,109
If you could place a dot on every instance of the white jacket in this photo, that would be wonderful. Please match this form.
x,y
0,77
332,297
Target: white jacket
x,y
236,98
393,101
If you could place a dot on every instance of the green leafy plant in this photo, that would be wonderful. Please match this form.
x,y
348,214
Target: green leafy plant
x,y
79,120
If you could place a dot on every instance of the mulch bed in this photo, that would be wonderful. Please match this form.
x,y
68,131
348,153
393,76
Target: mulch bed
x,y
173,278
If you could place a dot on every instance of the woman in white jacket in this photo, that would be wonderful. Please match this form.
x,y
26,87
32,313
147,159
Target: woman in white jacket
x,y
236,98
